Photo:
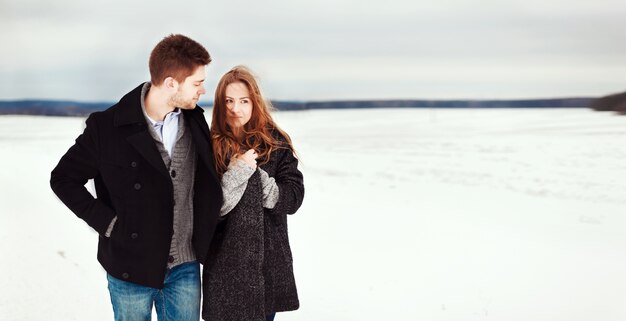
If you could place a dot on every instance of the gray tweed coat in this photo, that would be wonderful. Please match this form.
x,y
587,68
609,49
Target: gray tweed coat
x,y
249,270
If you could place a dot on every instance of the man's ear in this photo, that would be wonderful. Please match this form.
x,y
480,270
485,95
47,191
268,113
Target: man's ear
x,y
170,84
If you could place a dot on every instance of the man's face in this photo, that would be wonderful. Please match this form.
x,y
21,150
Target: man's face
x,y
190,90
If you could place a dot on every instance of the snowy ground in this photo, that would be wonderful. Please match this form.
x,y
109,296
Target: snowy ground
x,y
409,214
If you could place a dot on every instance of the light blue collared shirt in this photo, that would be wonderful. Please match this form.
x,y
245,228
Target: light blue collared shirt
x,y
167,129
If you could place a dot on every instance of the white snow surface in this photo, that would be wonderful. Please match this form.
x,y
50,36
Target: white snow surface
x,y
409,214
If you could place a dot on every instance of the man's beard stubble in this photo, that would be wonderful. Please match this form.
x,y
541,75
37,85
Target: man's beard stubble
x,y
178,101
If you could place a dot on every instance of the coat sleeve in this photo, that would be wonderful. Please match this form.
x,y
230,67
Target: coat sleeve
x,y
68,179
290,184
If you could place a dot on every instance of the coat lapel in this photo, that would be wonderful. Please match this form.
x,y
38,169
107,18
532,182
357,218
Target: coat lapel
x,y
144,144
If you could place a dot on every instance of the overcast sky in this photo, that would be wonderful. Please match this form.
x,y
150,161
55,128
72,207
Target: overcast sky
x,y
322,49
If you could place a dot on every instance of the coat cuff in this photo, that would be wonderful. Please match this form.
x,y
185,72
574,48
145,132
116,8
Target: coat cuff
x,y
110,229
270,190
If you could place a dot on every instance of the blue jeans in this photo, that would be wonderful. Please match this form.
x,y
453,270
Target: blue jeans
x,y
179,300
270,317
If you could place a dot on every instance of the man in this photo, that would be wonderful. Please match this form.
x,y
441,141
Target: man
x,y
158,195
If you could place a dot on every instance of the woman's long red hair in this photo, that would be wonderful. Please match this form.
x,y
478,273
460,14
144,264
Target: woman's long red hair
x,y
260,133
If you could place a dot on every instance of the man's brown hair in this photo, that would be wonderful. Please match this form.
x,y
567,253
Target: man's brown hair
x,y
178,57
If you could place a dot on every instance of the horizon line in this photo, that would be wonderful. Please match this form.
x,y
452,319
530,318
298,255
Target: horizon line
x,y
322,100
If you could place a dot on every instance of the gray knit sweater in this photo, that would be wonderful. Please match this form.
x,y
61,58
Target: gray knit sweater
x,y
235,181
181,166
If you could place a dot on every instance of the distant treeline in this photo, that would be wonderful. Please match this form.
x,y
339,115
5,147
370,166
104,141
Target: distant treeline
x,y
527,103
615,102
71,108
50,107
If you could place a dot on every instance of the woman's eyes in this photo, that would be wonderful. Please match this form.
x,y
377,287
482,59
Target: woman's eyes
x,y
230,101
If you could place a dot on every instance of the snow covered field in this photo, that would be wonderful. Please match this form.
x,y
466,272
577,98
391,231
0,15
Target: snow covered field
x,y
409,214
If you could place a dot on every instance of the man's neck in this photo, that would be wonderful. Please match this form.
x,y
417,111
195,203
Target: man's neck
x,y
156,103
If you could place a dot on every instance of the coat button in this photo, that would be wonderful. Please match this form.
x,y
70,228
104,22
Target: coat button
x,y
137,186
133,164
170,259
173,173
134,236
125,275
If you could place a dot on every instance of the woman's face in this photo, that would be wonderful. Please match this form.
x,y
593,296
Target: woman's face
x,y
238,103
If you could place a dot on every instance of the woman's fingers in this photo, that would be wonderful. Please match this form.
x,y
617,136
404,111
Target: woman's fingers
x,y
250,157
252,153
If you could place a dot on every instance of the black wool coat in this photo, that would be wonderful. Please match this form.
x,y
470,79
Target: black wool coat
x,y
249,271
132,183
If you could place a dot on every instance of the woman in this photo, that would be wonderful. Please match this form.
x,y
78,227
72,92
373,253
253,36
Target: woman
x,y
249,272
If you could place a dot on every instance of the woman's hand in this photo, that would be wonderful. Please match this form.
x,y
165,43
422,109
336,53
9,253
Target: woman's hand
x,y
249,158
